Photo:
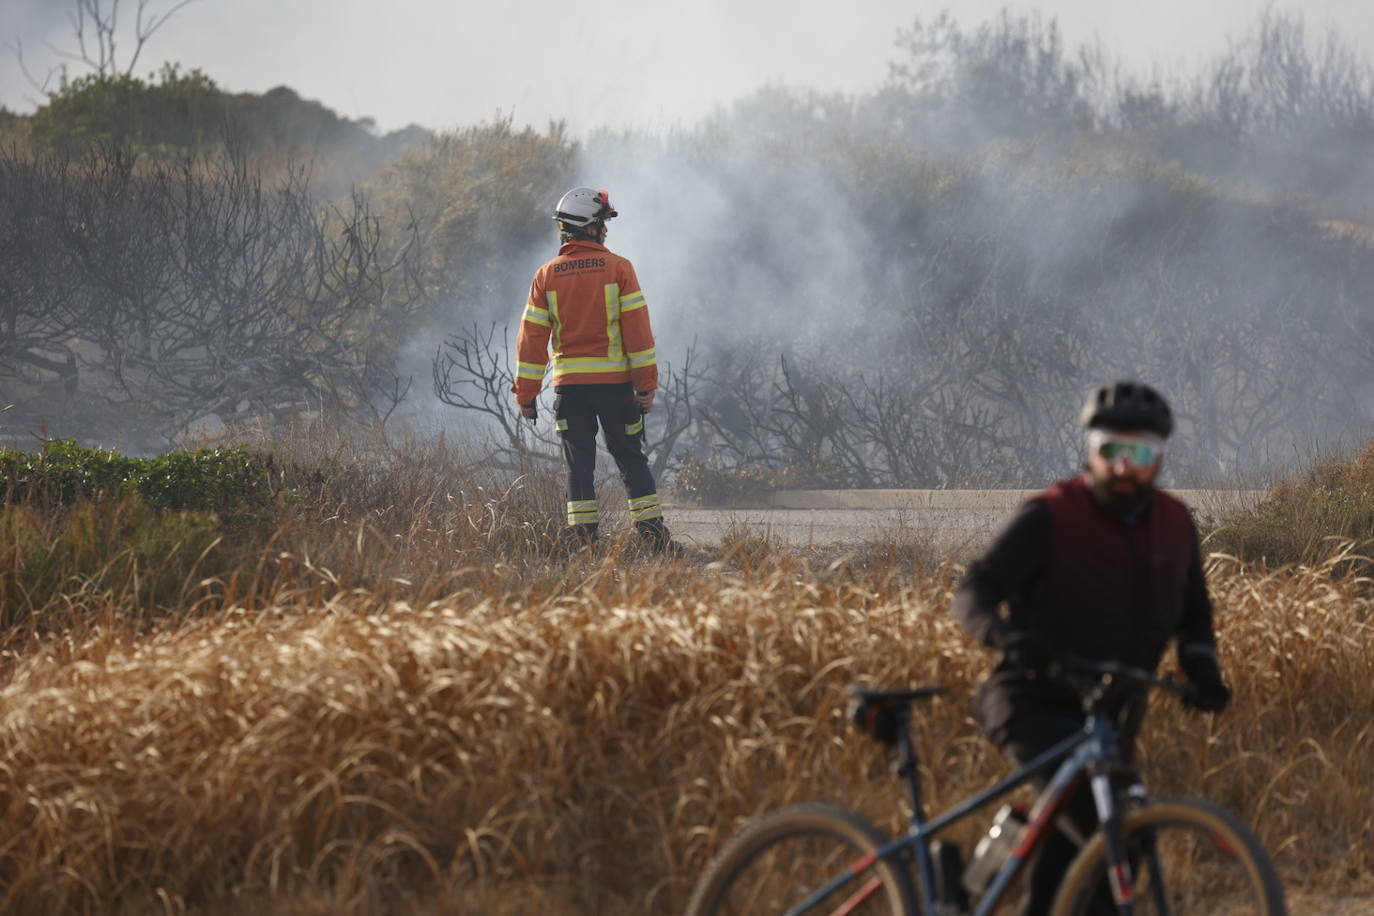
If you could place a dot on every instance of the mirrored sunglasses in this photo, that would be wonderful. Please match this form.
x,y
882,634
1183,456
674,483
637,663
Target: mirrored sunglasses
x,y
1140,454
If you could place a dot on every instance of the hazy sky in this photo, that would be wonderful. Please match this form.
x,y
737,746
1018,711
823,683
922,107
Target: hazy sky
x,y
624,63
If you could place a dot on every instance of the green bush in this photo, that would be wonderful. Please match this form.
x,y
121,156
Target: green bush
x,y
77,520
225,480
1307,517
115,546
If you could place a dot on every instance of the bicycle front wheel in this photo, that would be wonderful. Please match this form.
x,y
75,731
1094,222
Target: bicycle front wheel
x,y
782,860
1188,858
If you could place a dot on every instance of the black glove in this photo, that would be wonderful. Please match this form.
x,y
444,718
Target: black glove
x,y
1027,651
877,719
530,411
1209,693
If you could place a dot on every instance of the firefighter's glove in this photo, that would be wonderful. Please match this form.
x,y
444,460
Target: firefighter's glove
x,y
530,411
878,720
1028,652
1209,692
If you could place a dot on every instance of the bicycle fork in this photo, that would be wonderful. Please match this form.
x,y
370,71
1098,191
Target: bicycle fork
x,y
1112,818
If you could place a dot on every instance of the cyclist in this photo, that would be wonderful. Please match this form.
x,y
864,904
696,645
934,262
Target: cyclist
x,y
1104,566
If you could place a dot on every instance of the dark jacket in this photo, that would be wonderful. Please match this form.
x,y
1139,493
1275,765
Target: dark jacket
x,y
1088,583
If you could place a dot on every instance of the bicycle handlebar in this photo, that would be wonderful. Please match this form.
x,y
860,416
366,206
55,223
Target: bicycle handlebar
x,y
1104,674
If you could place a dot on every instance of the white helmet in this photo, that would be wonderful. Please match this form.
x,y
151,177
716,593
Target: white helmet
x,y
581,207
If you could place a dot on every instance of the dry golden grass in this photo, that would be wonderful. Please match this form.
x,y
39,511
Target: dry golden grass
x,y
407,699
584,745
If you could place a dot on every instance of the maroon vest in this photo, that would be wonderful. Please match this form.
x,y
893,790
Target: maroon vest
x,y
1110,590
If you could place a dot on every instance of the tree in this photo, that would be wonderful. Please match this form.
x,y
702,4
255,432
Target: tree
x,y
96,32
1009,77
155,293
480,199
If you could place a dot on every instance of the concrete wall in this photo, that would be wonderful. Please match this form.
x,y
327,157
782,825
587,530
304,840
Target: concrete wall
x,y
955,520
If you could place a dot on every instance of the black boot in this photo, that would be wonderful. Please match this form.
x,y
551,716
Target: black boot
x,y
577,537
654,536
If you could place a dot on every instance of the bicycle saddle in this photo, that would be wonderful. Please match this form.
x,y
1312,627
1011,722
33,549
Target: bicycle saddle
x,y
901,696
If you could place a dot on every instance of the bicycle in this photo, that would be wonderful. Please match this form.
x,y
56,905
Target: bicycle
x,y
1156,856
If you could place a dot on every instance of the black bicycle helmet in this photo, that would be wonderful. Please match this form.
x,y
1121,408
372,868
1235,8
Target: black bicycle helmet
x,y
1128,407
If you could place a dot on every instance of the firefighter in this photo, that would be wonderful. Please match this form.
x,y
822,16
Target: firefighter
x,y
588,304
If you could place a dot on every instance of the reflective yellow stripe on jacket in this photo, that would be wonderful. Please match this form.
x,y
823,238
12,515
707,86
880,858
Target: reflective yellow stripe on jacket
x,y
553,316
533,371
537,315
584,365
614,349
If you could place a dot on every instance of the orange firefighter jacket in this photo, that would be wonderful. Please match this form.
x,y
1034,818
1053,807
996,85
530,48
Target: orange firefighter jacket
x,y
588,303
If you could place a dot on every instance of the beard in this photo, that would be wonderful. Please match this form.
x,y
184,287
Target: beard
x,y
1121,496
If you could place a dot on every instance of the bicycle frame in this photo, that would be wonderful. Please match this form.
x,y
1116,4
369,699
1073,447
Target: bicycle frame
x,y
1092,752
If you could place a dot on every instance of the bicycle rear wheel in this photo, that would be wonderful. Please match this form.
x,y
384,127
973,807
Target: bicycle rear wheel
x,y
1188,858
778,861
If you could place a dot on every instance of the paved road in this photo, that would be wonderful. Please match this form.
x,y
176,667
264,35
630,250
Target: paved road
x,y
948,519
